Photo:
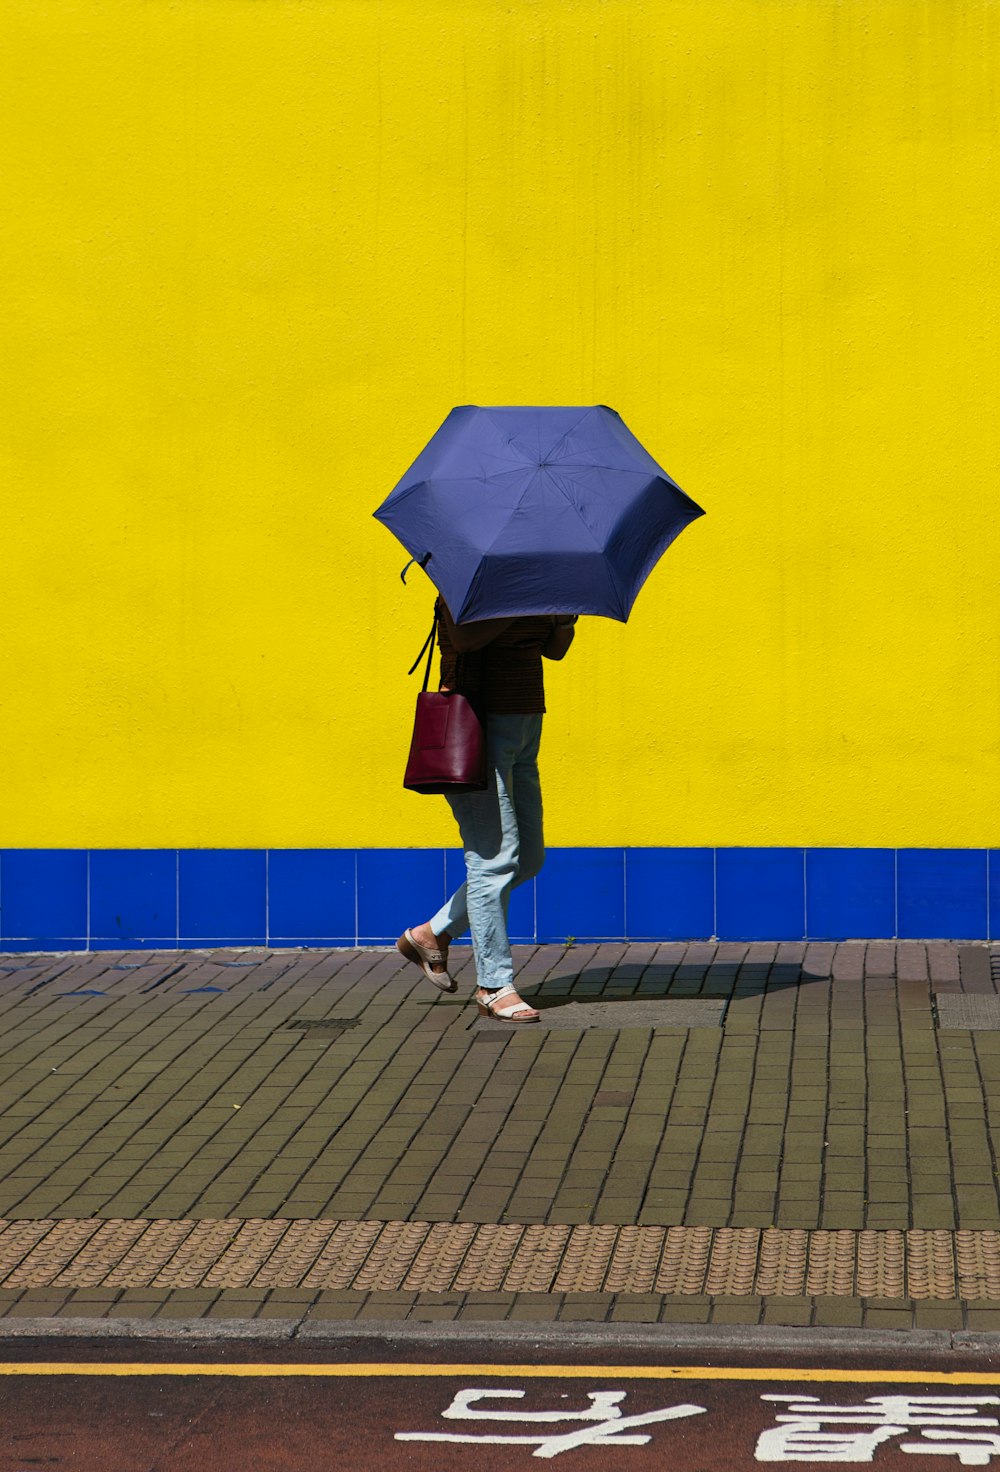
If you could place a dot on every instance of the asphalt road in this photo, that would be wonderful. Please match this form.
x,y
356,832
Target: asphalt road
x,y
120,1406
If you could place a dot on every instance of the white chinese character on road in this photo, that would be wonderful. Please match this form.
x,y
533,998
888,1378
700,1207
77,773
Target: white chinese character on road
x,y
947,1425
601,1423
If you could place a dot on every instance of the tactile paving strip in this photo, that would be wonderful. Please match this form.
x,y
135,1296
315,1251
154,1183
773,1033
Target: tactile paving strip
x,y
443,1257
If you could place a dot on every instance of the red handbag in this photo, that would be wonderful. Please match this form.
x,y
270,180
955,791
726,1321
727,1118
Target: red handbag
x,y
448,749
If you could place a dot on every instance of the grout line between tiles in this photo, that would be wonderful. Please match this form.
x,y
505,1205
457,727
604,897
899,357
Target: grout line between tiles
x,y
625,926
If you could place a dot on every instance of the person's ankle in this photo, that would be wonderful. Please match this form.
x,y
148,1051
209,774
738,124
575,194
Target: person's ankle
x,y
424,936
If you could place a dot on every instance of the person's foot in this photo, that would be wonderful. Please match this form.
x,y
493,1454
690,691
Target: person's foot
x,y
430,953
424,936
505,1005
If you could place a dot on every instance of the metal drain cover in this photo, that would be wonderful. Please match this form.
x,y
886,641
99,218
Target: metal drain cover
x,y
616,1016
965,1012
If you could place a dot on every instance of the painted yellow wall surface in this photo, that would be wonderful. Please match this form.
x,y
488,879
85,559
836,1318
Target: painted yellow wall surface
x,y
254,252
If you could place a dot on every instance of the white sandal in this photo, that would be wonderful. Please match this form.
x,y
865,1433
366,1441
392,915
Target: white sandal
x,y
505,1005
432,962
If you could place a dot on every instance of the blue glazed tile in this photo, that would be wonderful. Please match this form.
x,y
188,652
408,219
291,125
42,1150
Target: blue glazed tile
x,y
213,942
43,898
222,896
133,943
521,912
850,893
581,893
669,893
942,893
133,898
311,894
759,893
13,945
311,942
397,887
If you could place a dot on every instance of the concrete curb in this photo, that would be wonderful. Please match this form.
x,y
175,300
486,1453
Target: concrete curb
x,y
708,1338
151,1329
701,1338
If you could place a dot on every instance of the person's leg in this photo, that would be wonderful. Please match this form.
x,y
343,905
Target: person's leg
x,y
489,824
527,795
520,775
437,933
453,917
524,789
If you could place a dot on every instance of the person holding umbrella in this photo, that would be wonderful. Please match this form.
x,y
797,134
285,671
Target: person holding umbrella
x,y
498,664
523,517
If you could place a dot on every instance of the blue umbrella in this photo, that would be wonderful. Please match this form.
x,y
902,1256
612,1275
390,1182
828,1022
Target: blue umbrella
x,y
517,511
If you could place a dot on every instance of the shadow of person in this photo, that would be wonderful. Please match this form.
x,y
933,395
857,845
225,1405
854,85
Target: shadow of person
x,y
673,983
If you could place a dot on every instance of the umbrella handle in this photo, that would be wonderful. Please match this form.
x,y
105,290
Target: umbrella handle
x,y
421,562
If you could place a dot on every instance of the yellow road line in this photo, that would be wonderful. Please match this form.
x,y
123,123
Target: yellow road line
x,y
507,1372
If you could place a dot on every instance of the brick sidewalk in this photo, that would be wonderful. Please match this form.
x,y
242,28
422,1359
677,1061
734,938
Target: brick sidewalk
x,y
728,1133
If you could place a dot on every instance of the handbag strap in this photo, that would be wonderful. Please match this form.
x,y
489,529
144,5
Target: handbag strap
x,y
428,647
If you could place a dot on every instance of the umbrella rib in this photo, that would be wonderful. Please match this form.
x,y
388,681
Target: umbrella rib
x,y
512,513
589,410
508,439
496,475
521,470
565,437
590,531
594,465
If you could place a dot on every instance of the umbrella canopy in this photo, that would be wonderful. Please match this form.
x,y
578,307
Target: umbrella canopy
x,y
516,511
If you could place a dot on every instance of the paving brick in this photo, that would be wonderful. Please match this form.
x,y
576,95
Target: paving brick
x,y
135,1308
734,1313
841,1313
36,1304
786,1311
986,1319
335,1311
888,1318
690,1312
945,1316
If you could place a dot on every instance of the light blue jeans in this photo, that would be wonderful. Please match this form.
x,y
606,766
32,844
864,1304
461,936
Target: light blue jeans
x,y
501,831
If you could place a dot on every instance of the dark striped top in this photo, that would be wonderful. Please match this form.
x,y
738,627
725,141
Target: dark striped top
x,y
505,676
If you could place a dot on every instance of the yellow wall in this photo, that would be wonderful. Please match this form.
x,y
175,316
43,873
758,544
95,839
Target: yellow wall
x,y
259,248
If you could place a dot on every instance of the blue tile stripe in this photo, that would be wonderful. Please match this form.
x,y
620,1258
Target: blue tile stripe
x,y
101,899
